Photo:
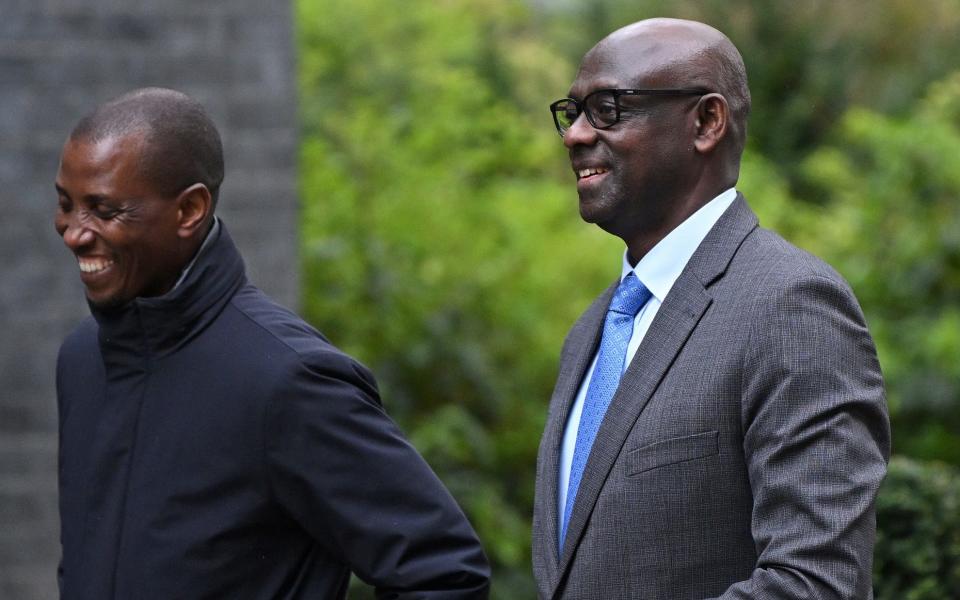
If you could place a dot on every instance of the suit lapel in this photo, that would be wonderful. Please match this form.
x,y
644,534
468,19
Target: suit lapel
x,y
579,349
676,319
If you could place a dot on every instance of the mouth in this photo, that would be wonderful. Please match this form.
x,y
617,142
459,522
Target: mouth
x,y
95,272
93,265
588,178
589,172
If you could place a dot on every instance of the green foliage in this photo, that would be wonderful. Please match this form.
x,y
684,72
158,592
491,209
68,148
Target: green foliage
x,y
890,223
440,239
441,243
918,540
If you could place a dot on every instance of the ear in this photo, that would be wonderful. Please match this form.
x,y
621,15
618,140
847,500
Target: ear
x,y
194,208
713,114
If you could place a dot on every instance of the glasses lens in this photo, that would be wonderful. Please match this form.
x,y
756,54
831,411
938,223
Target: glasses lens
x,y
565,112
602,108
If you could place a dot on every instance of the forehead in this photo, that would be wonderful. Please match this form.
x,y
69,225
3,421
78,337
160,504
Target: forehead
x,y
105,162
641,62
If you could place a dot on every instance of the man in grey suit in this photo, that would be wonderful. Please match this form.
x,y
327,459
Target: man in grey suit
x,y
718,427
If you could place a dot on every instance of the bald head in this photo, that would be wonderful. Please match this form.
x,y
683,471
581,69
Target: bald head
x,y
182,146
676,53
665,103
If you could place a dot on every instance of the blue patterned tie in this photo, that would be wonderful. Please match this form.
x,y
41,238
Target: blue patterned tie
x,y
627,301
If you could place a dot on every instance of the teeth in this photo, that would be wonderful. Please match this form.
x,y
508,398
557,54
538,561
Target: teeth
x,y
591,171
92,266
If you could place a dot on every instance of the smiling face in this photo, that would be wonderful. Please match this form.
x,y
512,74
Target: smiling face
x,y
634,178
123,233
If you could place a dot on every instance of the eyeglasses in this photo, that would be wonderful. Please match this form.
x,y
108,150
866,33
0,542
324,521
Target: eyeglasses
x,y
603,107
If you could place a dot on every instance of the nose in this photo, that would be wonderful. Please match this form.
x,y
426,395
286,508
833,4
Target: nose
x,y
74,233
580,132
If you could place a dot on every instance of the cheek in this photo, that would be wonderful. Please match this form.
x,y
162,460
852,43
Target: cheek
x,y
150,257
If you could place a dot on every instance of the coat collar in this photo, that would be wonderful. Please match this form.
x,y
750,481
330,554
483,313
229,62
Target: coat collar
x,y
151,327
679,314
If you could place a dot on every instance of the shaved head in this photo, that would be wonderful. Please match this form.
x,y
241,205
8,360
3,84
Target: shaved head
x,y
680,53
181,143
676,103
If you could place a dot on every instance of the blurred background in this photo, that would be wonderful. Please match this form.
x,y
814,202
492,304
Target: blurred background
x,y
394,174
58,60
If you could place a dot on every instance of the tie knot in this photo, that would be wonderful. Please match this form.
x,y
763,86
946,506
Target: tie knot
x,y
630,296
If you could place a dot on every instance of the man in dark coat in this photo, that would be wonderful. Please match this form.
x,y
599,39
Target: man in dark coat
x,y
212,444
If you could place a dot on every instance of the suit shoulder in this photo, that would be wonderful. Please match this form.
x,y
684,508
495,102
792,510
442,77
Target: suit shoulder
x,y
767,259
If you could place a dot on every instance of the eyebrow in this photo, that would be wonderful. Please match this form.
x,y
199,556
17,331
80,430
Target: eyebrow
x,y
91,198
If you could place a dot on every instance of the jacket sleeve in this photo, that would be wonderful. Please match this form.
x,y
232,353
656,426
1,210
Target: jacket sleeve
x,y
344,470
816,442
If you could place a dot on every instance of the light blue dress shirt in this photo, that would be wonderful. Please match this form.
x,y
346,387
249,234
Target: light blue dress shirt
x,y
658,270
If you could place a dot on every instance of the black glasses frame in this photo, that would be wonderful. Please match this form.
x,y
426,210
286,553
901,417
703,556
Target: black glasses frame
x,y
581,106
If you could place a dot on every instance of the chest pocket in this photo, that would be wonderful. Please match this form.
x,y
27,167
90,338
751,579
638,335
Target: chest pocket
x,y
672,451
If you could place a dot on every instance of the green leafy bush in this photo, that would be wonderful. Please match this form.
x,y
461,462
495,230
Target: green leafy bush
x,y
918,540
440,238
889,220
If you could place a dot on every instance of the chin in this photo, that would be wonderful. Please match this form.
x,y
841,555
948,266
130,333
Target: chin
x,y
595,210
106,303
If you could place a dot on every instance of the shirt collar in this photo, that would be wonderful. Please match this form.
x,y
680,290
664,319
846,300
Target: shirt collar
x,y
662,265
211,235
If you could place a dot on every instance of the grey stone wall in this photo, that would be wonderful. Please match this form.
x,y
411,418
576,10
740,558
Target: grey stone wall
x,y
58,59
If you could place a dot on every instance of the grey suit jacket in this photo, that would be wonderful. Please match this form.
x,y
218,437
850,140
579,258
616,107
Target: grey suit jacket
x,y
742,452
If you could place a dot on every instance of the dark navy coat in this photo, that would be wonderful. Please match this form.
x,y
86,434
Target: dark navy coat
x,y
213,445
